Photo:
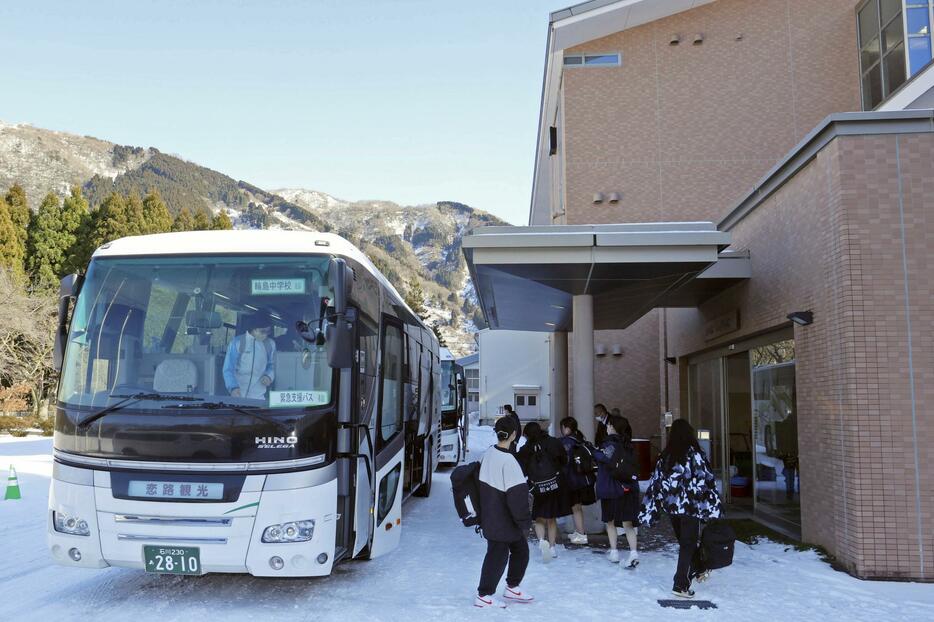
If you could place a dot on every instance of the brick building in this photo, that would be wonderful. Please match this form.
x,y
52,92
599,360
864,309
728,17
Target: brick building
x,y
731,222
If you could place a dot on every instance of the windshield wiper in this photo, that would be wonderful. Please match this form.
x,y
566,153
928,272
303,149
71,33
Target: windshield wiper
x,y
128,400
243,410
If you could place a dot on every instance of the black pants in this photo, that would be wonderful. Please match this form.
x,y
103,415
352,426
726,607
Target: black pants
x,y
498,554
687,530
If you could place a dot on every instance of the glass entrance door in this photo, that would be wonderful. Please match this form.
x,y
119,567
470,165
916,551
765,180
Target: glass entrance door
x,y
775,425
739,423
743,407
706,412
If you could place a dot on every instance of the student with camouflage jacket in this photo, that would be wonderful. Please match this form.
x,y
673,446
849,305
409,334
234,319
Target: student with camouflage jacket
x,y
684,487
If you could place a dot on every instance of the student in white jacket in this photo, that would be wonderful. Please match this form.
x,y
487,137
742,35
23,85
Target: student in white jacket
x,y
504,520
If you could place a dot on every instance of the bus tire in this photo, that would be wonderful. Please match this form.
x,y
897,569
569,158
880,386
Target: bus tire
x,y
425,489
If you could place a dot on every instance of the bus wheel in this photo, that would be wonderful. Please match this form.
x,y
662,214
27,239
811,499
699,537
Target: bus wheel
x,y
425,489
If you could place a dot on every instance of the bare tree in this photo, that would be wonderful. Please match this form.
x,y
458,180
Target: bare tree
x,y
27,325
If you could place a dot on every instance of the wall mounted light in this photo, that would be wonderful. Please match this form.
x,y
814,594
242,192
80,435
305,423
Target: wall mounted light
x,y
698,38
674,39
617,350
598,197
614,197
600,349
801,318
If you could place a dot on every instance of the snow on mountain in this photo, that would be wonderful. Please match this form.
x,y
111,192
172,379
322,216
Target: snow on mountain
x,y
42,160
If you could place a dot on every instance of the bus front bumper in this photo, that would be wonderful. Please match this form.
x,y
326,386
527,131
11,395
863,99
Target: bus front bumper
x,y
228,536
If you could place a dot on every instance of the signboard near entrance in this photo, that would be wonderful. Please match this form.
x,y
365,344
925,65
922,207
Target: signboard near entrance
x,y
721,325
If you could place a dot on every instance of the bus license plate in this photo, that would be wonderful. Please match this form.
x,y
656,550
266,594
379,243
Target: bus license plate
x,y
172,559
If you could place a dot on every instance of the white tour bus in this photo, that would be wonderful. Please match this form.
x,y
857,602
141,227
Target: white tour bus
x,y
454,421
237,401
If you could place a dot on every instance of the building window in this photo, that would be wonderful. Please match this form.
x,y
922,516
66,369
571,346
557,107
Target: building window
x,y
612,59
882,50
919,15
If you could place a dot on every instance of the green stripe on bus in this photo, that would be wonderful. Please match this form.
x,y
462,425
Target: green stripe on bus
x,y
242,507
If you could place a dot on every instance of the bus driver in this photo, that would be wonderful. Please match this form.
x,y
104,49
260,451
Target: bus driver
x,y
249,367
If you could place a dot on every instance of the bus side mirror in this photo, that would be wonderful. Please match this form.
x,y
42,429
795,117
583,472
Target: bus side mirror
x,y
339,339
340,279
68,289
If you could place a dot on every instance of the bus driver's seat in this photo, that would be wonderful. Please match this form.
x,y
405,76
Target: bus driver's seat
x,y
175,376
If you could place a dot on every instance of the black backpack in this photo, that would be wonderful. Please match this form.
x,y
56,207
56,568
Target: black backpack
x,y
717,542
542,471
624,469
581,459
465,484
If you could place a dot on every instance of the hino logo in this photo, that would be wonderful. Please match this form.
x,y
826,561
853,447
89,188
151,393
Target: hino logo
x,y
275,442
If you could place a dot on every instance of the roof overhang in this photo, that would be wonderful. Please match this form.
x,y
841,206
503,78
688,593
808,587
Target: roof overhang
x,y
571,27
526,277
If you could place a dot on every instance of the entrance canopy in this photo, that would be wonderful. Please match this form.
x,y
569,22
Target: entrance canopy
x,y
526,277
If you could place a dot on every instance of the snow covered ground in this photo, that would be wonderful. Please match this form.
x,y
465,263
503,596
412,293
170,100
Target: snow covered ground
x,y
433,575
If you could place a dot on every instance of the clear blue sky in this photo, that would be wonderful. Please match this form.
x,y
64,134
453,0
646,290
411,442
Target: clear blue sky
x,y
412,101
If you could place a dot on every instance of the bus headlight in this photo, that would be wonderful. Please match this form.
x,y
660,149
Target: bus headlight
x,y
72,525
295,531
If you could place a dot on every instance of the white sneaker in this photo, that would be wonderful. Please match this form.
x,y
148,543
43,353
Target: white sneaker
x,y
515,594
488,601
554,551
546,550
633,560
577,538
613,556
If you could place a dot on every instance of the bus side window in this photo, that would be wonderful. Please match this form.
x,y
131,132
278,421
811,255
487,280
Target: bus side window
x,y
390,418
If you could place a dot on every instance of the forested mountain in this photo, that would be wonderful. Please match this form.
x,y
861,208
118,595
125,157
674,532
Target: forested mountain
x,y
417,247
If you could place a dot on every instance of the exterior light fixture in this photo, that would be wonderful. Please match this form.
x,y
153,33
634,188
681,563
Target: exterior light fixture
x,y
598,197
801,318
600,350
614,197
674,39
698,38
617,350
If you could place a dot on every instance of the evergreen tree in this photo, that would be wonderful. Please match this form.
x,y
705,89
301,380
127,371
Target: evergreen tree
x,y
158,219
110,222
11,251
19,211
184,221
415,298
135,219
222,222
437,333
201,221
75,223
47,243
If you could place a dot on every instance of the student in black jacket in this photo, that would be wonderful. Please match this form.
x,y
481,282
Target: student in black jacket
x,y
542,458
600,415
509,412
504,520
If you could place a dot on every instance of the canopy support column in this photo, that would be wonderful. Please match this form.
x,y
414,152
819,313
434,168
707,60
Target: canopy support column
x,y
559,380
582,364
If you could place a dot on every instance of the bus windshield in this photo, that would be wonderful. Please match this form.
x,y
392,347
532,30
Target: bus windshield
x,y
242,330
448,386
